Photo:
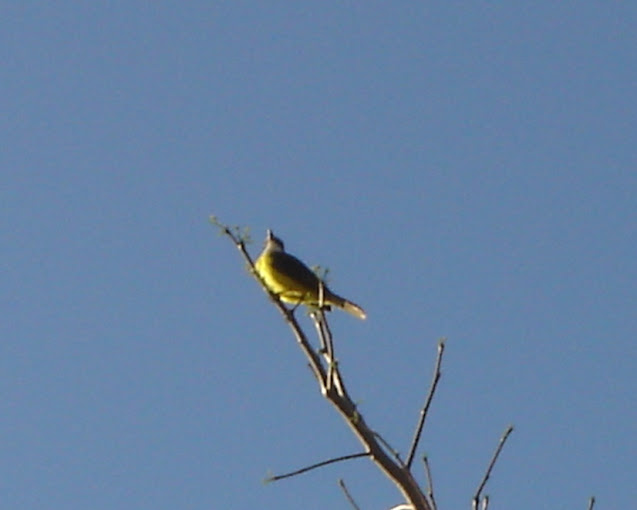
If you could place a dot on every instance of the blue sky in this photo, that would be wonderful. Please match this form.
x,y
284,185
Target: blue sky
x,y
465,170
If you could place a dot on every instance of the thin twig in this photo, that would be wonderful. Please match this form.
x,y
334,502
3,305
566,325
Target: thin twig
x,y
325,337
334,379
319,313
591,503
425,409
430,483
317,465
349,497
333,374
325,350
505,436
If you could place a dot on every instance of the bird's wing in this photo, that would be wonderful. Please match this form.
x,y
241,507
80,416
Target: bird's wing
x,y
289,265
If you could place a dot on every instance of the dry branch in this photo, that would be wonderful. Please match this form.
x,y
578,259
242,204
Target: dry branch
x,y
425,409
487,474
349,497
317,465
430,483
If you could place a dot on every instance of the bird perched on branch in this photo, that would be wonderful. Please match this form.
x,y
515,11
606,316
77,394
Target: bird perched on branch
x,y
291,280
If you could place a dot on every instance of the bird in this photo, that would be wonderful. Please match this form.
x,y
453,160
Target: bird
x,y
293,282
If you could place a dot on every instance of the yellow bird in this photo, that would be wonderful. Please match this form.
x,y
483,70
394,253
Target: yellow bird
x,y
291,280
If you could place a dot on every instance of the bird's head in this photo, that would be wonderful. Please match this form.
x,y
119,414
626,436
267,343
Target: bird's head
x,y
273,242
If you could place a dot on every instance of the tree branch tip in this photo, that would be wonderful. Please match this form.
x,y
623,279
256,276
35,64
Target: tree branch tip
x,y
425,409
240,235
349,497
223,229
269,478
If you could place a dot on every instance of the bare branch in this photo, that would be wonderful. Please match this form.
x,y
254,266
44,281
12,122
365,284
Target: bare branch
x,y
338,396
334,379
317,465
239,237
326,343
430,483
425,409
591,503
476,498
348,495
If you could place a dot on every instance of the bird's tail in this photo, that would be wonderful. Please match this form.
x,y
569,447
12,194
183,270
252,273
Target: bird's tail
x,y
354,309
348,306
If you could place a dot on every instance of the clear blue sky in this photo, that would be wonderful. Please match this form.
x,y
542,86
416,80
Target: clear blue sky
x,y
465,170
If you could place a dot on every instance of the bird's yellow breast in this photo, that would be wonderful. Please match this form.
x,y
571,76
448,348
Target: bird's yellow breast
x,y
277,270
